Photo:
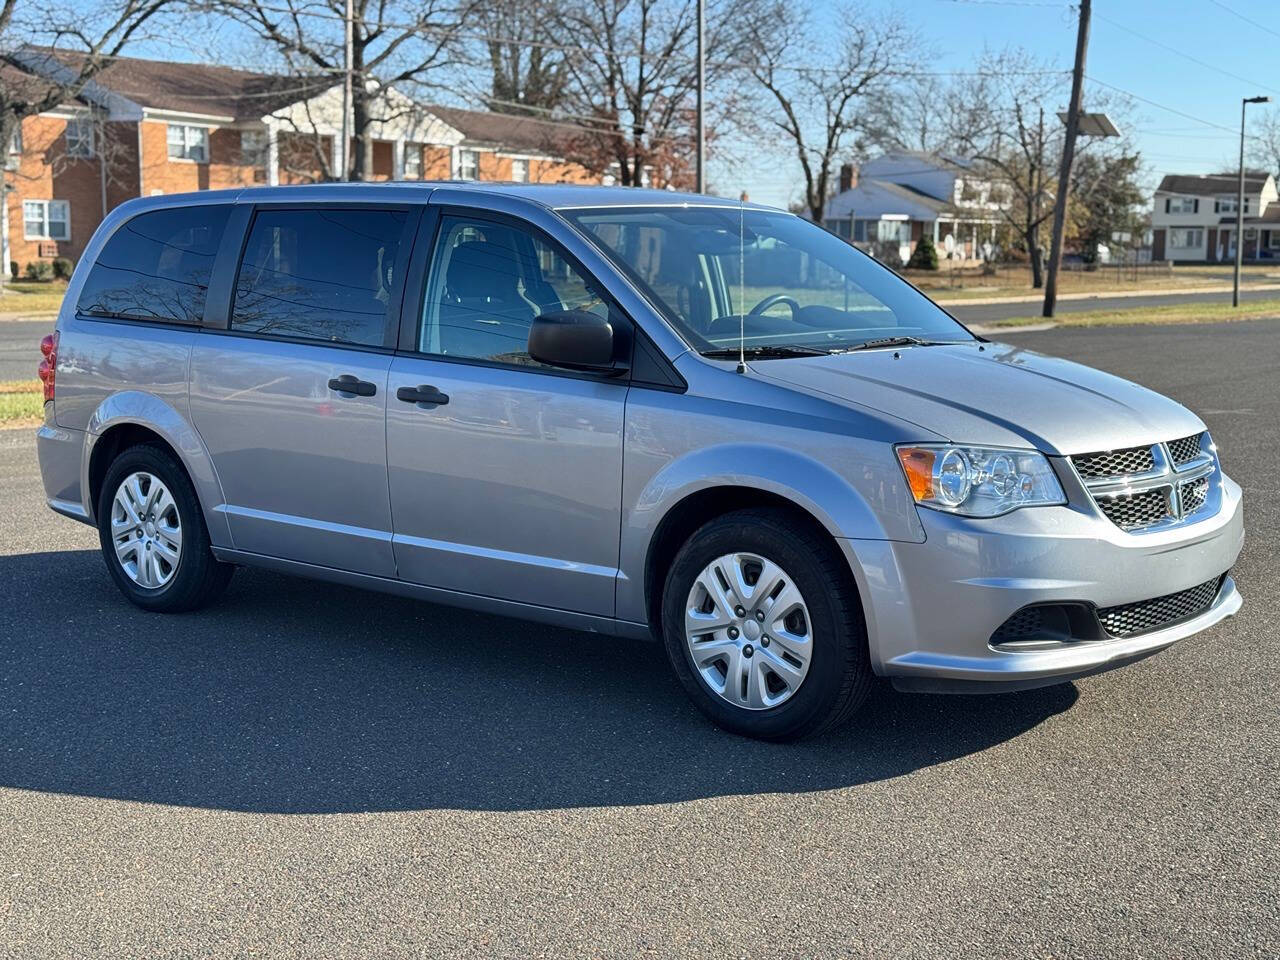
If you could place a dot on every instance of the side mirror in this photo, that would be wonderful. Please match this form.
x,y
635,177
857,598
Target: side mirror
x,y
576,340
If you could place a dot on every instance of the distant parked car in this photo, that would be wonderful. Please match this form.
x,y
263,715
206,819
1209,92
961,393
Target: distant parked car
x,y
629,412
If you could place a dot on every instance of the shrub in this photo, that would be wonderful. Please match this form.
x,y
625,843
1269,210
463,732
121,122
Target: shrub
x,y
62,268
925,255
13,269
39,270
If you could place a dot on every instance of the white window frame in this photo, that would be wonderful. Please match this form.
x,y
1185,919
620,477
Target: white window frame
x,y
524,165
79,136
1197,233
46,219
14,156
192,138
463,157
1182,205
413,161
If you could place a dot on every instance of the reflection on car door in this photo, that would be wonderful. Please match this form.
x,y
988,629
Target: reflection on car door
x,y
291,403
505,475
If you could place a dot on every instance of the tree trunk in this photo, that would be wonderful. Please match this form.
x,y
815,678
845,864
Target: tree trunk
x,y
360,128
361,113
1037,257
7,128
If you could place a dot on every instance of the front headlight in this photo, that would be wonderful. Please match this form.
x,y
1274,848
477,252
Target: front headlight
x,y
978,481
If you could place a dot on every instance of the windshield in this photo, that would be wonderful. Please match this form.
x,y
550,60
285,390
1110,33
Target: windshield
x,y
780,282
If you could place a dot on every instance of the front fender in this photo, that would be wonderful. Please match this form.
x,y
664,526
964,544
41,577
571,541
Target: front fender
x,y
873,508
146,410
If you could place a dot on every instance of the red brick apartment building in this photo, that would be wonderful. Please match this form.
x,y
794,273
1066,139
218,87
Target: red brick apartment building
x,y
146,127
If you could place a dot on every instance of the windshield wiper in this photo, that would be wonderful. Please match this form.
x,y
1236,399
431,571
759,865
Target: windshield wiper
x,y
892,342
765,352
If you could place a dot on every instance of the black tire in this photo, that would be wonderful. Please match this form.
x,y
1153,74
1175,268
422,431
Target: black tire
x,y
198,578
839,676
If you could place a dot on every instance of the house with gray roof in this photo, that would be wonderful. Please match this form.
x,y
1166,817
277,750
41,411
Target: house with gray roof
x,y
892,201
1193,218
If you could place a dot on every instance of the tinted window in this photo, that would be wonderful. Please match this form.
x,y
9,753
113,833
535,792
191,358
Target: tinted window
x,y
725,274
320,275
487,283
156,266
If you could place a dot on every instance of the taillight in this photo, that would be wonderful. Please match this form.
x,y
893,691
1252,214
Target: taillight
x,y
49,365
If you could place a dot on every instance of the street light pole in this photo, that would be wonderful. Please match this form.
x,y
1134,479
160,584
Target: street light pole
x,y
701,162
1235,283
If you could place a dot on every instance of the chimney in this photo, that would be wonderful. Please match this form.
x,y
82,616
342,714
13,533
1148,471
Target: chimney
x,y
848,177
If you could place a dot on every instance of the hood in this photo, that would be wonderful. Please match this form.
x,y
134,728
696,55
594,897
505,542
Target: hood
x,y
998,395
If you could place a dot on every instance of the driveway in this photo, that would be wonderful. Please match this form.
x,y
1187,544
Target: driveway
x,y
306,770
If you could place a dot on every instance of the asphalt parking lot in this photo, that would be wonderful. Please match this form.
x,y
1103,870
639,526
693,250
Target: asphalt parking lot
x,y
307,770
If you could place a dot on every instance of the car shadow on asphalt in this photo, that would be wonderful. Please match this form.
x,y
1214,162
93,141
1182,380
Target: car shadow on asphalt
x,y
290,696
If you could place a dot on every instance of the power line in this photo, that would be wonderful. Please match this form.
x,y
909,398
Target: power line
x,y
1173,110
1248,20
1013,3
1185,56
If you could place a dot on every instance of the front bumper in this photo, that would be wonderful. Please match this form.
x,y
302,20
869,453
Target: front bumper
x,y
932,607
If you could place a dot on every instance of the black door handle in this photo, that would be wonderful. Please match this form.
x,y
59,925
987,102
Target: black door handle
x,y
423,393
349,384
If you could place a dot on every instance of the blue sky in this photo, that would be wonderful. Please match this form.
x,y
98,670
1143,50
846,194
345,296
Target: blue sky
x,y
1121,53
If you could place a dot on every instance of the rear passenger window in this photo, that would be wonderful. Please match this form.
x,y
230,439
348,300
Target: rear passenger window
x,y
156,266
321,274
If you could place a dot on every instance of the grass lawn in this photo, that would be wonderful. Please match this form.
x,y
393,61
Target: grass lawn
x,y
1013,281
21,403
1174,313
32,297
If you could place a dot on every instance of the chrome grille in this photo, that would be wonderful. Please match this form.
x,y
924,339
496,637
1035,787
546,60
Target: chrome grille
x,y
1142,489
1193,494
1114,463
1185,450
1134,510
1132,618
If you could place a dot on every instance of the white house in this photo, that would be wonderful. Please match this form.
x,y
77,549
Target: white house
x,y
1194,217
898,197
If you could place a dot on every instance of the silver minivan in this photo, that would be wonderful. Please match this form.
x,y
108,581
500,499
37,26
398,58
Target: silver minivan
x,y
639,413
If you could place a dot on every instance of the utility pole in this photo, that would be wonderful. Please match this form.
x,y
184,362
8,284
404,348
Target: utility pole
x,y
1235,283
347,44
1068,158
700,180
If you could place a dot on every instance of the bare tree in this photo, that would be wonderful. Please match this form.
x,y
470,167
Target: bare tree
x,y
630,82
49,55
821,92
393,42
55,52
1020,144
1265,148
928,113
519,49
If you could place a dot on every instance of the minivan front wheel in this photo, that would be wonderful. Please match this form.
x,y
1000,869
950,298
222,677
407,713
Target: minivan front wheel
x,y
153,534
761,623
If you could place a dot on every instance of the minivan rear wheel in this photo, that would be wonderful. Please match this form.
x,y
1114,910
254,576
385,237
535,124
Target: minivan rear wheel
x,y
762,624
153,534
